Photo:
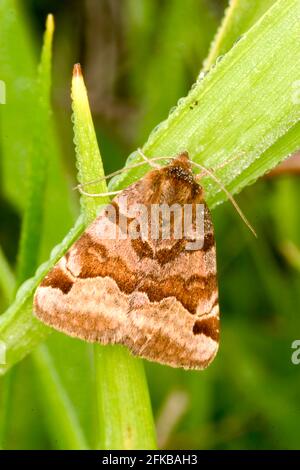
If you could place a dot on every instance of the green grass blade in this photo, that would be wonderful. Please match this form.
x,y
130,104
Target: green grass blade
x,y
260,389
32,226
240,109
73,361
284,147
120,378
61,416
240,16
18,65
179,45
19,329
140,29
7,288
88,158
64,428
18,71
123,400
7,279
5,405
60,412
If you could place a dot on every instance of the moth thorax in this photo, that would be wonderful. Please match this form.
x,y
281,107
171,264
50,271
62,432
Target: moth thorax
x,y
180,191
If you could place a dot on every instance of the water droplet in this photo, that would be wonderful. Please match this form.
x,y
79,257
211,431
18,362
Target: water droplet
x,y
155,129
239,38
172,110
24,288
180,101
131,158
202,75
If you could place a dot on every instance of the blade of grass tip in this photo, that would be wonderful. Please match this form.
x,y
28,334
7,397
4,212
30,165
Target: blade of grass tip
x,y
58,403
19,329
32,224
58,407
124,410
88,158
18,65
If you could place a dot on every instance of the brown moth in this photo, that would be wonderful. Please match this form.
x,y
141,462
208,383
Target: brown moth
x,y
153,295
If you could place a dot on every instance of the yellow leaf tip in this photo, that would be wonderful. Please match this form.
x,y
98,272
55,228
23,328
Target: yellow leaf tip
x,y
50,23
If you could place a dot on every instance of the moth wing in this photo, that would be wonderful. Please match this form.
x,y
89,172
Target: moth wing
x,y
85,293
159,300
174,316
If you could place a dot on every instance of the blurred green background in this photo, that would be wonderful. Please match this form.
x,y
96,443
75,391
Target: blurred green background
x,y
139,57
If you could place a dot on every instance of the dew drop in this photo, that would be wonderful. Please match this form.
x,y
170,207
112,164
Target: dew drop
x,y
156,128
239,38
172,110
131,158
180,101
202,75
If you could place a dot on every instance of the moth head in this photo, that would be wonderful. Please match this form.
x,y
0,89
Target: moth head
x,y
178,182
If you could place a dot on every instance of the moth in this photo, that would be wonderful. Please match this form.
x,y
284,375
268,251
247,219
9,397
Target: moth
x,y
154,295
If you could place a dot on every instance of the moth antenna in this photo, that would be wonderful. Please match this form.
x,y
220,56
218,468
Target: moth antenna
x,y
228,194
148,160
109,193
117,172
